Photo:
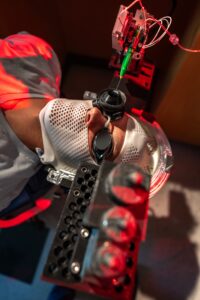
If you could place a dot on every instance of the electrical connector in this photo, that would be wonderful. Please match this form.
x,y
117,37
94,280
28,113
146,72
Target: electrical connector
x,y
174,39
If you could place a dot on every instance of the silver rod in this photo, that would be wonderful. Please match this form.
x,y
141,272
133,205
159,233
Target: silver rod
x,y
117,86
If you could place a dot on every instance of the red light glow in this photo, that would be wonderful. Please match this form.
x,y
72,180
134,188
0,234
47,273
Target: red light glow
x,y
128,195
25,45
40,205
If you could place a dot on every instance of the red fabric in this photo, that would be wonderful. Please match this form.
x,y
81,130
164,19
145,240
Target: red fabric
x,y
29,68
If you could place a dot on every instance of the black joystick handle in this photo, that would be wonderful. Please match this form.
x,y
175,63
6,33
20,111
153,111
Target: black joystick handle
x,y
128,185
111,102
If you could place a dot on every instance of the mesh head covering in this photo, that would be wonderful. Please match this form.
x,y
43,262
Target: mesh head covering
x,y
65,139
29,68
65,134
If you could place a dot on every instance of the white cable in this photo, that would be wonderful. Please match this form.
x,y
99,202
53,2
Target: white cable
x,y
156,39
173,38
127,8
144,14
166,28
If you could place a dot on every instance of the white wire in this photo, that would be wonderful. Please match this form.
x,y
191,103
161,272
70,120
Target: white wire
x,y
127,8
160,27
157,21
168,21
155,40
144,13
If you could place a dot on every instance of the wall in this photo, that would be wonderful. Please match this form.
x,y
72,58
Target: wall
x,y
178,104
179,109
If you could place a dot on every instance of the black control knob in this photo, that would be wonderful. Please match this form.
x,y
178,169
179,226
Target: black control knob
x,y
119,224
110,261
128,184
111,102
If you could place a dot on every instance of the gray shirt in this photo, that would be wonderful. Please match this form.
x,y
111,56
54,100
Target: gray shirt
x,y
29,68
17,164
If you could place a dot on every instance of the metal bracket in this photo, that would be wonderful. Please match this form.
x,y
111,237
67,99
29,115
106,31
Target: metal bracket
x,y
56,177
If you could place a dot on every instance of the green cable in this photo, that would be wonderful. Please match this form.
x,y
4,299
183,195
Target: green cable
x,y
128,56
126,62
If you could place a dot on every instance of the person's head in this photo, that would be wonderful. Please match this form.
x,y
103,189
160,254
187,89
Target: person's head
x,y
70,126
68,131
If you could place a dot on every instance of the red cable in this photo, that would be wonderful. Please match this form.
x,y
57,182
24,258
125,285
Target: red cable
x,y
41,204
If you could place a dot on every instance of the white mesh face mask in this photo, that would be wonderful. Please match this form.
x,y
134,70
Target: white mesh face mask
x,y
65,134
65,140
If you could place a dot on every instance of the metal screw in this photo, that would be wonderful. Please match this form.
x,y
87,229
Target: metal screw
x,y
137,55
75,267
85,233
56,196
150,147
76,193
84,169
